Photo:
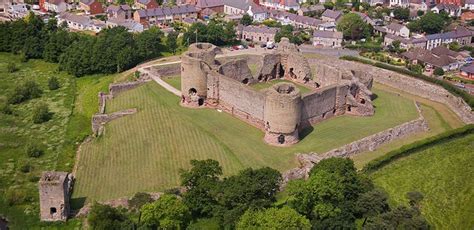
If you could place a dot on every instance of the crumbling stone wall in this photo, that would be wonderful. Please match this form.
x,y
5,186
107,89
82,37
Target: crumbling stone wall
x,y
99,120
117,88
207,82
370,143
54,192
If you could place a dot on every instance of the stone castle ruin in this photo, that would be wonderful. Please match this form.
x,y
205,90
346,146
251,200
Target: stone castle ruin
x,y
54,190
281,110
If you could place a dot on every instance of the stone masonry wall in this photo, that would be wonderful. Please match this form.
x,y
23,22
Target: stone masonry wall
x,y
370,143
320,104
234,94
99,120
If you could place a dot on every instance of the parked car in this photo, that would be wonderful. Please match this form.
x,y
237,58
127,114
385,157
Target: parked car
x,y
263,45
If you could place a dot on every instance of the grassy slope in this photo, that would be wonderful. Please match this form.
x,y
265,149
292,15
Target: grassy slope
x,y
446,180
439,119
144,151
17,130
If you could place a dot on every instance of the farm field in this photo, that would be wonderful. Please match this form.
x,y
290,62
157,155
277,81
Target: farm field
x,y
144,151
18,172
444,174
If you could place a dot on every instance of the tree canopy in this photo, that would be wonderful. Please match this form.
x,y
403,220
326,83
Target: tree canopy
x,y
353,27
273,218
429,23
168,212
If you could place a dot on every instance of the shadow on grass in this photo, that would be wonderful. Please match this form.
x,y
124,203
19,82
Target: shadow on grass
x,y
78,203
305,132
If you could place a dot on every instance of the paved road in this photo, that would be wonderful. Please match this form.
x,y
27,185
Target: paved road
x,y
328,51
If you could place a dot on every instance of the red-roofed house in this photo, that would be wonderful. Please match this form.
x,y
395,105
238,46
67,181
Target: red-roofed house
x,y
91,6
146,4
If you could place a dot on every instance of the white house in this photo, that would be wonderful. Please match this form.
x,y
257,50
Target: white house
x,y
257,13
131,25
469,5
400,3
57,6
79,22
450,9
398,30
281,4
327,38
17,11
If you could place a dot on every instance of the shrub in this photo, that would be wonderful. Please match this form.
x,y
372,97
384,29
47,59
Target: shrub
x,y
41,114
6,109
24,92
26,168
15,196
438,72
33,150
53,83
11,67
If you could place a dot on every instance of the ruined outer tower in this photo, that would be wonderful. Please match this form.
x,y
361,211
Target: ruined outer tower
x,y
282,114
54,192
195,64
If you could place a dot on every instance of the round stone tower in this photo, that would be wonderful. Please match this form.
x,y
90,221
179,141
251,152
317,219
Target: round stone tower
x,y
195,64
282,114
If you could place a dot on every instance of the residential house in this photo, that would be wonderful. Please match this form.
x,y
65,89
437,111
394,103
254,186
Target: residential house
x,y
91,6
146,4
460,35
280,4
17,11
331,15
405,43
327,38
311,10
451,2
131,25
297,21
398,30
241,7
450,9
122,12
467,72
467,16
469,5
80,22
399,3
327,26
366,18
210,7
259,34
164,15
440,57
57,6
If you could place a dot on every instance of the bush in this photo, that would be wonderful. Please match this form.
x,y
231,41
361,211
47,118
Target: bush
x,y
417,146
24,92
446,85
33,150
15,196
11,67
6,109
438,72
26,168
41,114
53,83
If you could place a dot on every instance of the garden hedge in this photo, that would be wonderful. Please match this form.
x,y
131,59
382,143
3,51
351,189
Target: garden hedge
x,y
446,85
417,146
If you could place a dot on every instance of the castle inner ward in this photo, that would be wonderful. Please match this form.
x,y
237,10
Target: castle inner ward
x,y
281,111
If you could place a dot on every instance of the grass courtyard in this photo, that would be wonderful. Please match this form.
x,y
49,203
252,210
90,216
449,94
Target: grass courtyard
x,y
144,151
446,179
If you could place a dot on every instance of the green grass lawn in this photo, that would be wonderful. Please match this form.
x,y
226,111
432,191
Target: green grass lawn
x,y
144,151
444,174
264,85
439,118
17,130
174,81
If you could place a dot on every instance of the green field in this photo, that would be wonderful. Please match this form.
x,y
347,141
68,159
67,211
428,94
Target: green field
x,y
264,85
17,130
144,151
444,174
174,81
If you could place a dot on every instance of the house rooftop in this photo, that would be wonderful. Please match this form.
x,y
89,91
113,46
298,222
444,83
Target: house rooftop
x,y
334,14
327,34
